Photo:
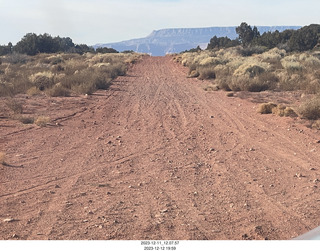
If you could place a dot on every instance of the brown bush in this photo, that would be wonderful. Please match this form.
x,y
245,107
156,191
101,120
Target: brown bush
x,y
289,112
206,72
33,91
266,108
58,91
310,109
14,106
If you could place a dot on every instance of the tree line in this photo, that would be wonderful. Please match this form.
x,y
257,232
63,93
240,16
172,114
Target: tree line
x,y
32,44
303,39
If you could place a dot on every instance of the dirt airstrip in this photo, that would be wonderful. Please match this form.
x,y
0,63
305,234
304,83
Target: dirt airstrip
x,y
157,157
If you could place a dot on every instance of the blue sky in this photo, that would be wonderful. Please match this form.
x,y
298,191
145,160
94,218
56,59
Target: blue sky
x,y
103,21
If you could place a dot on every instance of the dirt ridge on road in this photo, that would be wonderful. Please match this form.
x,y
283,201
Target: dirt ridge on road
x,y
157,157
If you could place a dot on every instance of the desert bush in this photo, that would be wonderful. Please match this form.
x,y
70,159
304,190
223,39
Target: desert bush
x,y
100,81
223,84
16,58
249,51
273,54
42,80
42,121
206,72
6,90
33,91
266,108
313,87
212,61
310,109
58,91
292,82
84,88
292,63
14,106
239,83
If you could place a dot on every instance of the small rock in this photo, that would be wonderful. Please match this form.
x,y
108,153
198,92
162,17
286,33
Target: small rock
x,y
90,212
15,236
316,181
312,169
211,116
57,186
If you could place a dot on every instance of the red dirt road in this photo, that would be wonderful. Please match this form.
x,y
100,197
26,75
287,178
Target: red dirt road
x,y
157,157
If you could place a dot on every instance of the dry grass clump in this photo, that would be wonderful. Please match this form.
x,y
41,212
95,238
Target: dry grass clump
x,y
2,158
266,108
42,121
284,111
279,110
211,87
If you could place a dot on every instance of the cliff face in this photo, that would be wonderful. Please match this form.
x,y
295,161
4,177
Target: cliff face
x,y
161,42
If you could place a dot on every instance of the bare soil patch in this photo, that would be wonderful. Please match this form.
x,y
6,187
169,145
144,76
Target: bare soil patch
x,y
157,157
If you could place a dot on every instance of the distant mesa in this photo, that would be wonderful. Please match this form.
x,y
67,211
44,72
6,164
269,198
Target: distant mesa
x,y
162,42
